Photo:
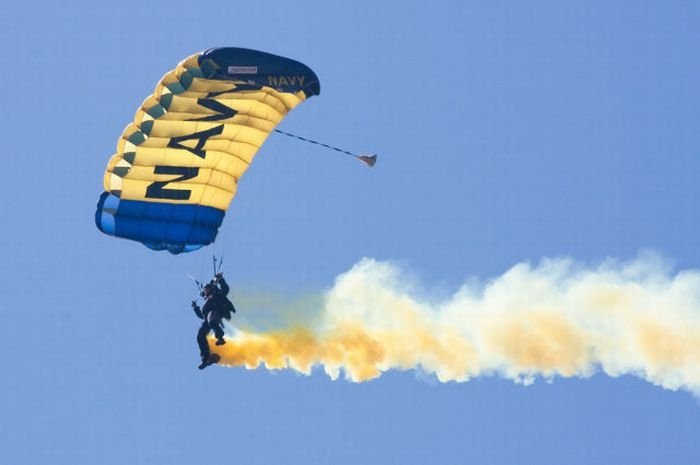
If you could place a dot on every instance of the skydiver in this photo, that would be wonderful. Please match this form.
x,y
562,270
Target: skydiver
x,y
216,307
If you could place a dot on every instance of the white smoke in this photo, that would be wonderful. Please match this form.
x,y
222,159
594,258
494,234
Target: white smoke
x,y
557,318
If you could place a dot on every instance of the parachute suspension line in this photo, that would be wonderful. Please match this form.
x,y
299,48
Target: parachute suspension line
x,y
200,286
368,160
217,268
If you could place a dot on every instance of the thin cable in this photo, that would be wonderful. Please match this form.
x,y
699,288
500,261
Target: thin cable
x,y
368,160
317,143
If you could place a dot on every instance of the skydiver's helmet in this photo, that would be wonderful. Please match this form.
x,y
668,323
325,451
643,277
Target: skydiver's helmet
x,y
207,290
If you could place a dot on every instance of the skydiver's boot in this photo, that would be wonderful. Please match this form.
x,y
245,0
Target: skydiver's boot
x,y
220,342
211,360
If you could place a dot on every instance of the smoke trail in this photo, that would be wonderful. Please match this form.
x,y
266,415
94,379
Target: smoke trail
x,y
554,319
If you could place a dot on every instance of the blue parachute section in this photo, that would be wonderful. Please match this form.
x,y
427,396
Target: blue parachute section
x,y
260,69
159,226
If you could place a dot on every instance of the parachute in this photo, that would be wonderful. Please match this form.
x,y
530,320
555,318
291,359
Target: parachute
x,y
177,166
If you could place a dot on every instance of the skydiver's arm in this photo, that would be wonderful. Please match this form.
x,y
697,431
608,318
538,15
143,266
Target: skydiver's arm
x,y
197,310
224,287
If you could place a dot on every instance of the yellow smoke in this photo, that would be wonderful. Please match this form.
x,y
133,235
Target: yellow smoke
x,y
554,319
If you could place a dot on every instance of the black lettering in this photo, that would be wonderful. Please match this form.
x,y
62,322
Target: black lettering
x,y
223,111
156,190
201,135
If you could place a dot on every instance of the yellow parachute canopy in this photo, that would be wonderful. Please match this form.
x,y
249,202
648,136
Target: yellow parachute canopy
x,y
178,164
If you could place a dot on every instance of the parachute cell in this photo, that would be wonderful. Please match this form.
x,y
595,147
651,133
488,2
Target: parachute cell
x,y
177,166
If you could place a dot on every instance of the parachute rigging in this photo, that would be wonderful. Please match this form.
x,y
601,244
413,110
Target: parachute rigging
x,y
368,160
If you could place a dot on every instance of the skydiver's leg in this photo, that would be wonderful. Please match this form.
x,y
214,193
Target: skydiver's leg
x,y
202,341
217,326
219,333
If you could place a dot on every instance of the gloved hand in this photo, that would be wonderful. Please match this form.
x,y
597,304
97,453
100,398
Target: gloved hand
x,y
194,304
218,275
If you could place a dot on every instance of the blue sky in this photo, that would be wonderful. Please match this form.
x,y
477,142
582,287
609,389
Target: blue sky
x,y
507,131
